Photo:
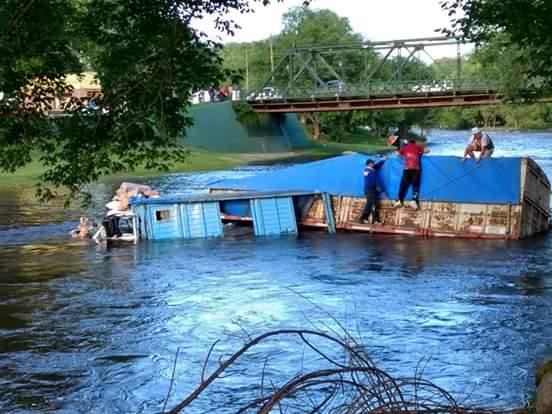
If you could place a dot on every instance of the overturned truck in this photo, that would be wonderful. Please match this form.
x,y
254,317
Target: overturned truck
x,y
498,198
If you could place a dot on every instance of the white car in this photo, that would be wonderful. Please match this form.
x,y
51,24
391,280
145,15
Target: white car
x,y
266,93
435,86
335,84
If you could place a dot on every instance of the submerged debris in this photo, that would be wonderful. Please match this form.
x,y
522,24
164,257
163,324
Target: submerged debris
x,y
119,202
117,224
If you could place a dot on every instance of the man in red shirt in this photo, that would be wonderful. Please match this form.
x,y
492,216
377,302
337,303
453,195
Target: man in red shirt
x,y
412,154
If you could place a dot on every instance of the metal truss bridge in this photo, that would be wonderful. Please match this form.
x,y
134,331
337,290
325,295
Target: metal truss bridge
x,y
370,76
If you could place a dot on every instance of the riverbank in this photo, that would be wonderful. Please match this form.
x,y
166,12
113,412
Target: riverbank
x,y
202,160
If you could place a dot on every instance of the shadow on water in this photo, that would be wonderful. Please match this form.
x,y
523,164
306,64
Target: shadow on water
x,y
89,329
19,207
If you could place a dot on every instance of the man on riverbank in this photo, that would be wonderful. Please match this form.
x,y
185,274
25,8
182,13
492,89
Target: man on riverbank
x,y
411,176
371,191
479,142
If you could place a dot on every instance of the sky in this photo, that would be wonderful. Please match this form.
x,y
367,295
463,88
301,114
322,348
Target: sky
x,y
374,19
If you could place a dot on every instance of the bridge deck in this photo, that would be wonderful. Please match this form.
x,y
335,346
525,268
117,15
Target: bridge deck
x,y
339,102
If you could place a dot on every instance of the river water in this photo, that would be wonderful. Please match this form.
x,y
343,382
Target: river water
x,y
94,330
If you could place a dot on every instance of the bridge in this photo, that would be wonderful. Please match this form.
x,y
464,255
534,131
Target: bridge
x,y
369,76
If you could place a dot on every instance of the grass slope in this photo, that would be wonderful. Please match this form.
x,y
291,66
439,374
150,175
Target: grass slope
x,y
200,160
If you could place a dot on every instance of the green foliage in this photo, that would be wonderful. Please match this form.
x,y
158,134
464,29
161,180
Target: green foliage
x,y
336,125
511,116
301,28
500,61
248,117
524,27
254,55
379,122
148,60
447,68
506,64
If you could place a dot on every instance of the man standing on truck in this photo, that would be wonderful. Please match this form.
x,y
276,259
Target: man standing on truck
x,y
412,154
478,142
371,191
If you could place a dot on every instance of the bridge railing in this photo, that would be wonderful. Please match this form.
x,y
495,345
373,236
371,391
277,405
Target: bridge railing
x,y
373,89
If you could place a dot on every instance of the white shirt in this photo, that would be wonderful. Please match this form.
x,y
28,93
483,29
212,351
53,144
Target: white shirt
x,y
484,140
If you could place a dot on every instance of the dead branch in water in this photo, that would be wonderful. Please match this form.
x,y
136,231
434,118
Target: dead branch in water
x,y
172,380
354,387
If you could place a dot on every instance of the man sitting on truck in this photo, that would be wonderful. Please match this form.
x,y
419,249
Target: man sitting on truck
x,y
478,142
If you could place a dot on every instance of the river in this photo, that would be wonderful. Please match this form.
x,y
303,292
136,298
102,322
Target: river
x,y
94,330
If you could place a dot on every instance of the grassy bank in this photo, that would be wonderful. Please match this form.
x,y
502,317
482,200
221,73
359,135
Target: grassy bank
x,y
200,160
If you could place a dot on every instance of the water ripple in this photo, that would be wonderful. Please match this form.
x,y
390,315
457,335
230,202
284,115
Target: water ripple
x,y
89,329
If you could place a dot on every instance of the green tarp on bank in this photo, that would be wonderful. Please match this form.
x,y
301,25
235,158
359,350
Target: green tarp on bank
x,y
216,128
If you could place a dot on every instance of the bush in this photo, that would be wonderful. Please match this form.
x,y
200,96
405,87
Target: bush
x,y
247,116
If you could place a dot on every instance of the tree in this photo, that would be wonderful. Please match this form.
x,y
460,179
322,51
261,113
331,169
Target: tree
x,y
253,55
523,24
302,28
499,61
507,65
148,59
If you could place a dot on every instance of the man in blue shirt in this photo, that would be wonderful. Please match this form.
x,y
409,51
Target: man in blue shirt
x,y
371,191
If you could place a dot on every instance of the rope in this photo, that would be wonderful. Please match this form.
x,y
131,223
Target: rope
x,y
451,180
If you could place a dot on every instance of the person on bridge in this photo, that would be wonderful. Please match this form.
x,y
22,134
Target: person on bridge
x,y
371,191
478,142
412,154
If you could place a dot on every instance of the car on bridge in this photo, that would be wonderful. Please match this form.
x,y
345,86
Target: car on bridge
x,y
336,84
434,86
267,93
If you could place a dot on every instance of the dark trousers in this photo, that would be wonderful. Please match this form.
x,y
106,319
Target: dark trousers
x,y
410,177
370,208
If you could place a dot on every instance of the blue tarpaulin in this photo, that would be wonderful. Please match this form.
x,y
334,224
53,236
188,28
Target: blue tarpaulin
x,y
444,178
